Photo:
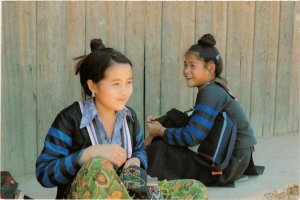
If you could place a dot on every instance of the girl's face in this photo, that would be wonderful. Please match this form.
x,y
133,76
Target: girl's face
x,y
115,89
195,71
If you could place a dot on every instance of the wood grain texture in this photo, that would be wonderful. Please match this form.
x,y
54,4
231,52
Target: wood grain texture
x,y
284,65
75,46
294,81
28,82
51,64
12,145
96,22
177,37
153,58
134,49
264,68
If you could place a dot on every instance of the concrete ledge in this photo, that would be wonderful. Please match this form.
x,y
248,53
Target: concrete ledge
x,y
280,156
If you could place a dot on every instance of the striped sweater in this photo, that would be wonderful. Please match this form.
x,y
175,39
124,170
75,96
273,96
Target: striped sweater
x,y
211,99
58,163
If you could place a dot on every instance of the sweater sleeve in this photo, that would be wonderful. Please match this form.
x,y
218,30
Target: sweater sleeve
x,y
57,165
138,150
210,101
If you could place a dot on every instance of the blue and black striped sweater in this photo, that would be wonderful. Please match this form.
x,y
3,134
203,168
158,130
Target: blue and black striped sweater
x,y
212,99
58,163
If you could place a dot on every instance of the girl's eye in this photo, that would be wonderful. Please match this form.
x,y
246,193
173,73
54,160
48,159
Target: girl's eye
x,y
116,83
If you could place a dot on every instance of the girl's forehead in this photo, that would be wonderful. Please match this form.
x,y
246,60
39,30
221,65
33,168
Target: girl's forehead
x,y
192,56
118,69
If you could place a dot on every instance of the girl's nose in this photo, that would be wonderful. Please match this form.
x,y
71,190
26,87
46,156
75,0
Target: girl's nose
x,y
186,70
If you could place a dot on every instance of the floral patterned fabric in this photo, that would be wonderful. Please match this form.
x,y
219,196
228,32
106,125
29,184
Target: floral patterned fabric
x,y
97,179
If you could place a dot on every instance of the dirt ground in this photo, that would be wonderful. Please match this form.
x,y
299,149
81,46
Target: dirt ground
x,y
289,193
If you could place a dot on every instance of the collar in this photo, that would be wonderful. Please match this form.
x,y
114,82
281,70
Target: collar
x,y
209,82
90,113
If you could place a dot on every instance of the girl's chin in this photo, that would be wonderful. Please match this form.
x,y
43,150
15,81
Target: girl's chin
x,y
190,84
118,108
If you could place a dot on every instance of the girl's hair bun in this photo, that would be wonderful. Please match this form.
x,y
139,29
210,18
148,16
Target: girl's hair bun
x,y
96,45
207,40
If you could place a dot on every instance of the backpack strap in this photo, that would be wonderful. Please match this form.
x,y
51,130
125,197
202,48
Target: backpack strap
x,y
222,85
231,143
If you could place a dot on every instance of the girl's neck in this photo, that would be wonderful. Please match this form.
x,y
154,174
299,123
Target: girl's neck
x,y
203,85
108,118
105,112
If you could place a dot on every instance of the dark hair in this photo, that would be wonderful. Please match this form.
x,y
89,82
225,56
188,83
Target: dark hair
x,y
93,66
205,49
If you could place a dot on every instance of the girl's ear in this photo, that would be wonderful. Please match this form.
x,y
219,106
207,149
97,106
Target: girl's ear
x,y
90,84
211,67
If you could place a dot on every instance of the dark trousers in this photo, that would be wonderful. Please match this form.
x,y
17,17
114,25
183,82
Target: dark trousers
x,y
173,162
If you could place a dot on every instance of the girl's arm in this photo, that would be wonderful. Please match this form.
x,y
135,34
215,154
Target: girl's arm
x,y
210,101
138,150
56,165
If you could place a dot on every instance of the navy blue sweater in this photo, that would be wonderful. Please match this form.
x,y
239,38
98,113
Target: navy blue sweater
x,y
211,99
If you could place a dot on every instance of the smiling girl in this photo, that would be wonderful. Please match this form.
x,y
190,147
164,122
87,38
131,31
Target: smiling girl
x,y
89,140
202,68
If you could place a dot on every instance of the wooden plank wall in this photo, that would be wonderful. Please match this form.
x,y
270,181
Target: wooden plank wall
x,y
259,43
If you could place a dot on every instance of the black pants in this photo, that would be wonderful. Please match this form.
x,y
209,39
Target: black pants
x,y
173,162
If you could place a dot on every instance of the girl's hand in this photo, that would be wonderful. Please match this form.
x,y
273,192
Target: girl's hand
x,y
112,152
132,161
150,118
155,129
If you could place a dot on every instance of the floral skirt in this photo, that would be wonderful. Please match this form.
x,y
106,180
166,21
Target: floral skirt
x,y
97,179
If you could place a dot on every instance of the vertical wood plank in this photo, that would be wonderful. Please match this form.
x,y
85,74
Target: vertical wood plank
x,y
246,37
116,25
177,36
96,22
27,63
219,29
153,58
233,48
204,18
12,154
294,81
134,50
271,70
51,64
264,68
239,51
259,66
75,46
282,110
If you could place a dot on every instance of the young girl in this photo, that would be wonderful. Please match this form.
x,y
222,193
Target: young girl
x,y
91,139
202,66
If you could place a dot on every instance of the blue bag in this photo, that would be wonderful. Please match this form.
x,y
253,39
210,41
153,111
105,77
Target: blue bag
x,y
218,146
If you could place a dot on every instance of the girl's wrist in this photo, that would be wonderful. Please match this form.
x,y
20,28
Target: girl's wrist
x,y
163,129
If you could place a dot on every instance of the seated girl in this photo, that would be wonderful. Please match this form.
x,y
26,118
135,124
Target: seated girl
x,y
173,158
